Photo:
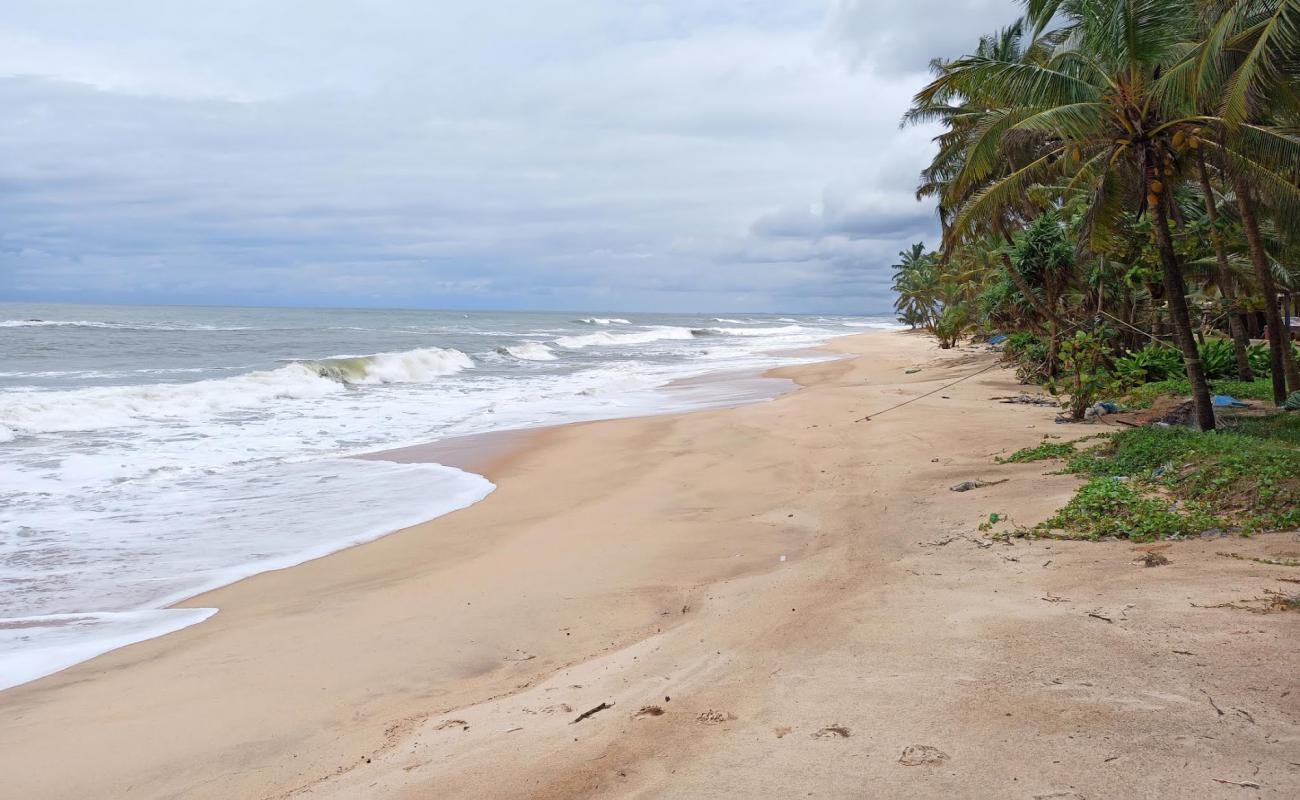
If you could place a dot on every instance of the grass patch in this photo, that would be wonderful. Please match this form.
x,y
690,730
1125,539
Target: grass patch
x,y
1042,452
1161,482
1145,395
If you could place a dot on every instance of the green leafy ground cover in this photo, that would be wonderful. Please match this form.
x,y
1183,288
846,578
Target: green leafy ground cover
x,y
1161,482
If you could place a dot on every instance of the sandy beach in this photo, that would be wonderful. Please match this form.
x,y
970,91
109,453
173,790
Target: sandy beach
x,y
775,600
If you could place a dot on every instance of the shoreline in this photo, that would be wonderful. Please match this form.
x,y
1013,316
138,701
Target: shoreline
x,y
474,453
762,575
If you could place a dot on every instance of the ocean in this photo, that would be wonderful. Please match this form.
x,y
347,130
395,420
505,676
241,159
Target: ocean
x,y
148,454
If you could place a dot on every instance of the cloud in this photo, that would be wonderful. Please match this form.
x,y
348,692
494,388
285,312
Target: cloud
x,y
571,154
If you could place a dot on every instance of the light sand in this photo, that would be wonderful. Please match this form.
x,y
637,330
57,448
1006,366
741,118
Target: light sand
x,y
635,561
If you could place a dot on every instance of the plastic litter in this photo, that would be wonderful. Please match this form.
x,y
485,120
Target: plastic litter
x,y
1228,401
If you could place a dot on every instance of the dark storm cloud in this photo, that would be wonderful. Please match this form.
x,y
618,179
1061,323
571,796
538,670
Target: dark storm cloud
x,y
738,154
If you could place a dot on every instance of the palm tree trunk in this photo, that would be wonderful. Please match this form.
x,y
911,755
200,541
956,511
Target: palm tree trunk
x,y
1236,319
1279,345
1179,319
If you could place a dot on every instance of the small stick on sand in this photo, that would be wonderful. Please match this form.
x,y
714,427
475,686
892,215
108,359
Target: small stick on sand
x,y
589,712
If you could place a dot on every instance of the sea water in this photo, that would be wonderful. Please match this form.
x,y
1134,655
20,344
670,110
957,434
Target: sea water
x,y
148,454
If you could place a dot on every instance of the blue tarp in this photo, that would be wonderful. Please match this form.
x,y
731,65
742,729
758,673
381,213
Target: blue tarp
x,y
998,338
1228,401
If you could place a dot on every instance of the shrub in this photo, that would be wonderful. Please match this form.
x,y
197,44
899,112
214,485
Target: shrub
x,y
1086,379
1155,362
1029,352
1218,358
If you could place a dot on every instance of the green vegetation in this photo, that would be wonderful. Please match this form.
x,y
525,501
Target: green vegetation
x,y
1117,182
1042,452
1161,482
1143,396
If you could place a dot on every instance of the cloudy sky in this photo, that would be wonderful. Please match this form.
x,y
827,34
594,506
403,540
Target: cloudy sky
x,y
711,155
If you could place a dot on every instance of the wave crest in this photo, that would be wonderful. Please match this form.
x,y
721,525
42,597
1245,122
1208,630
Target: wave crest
x,y
528,351
780,331
99,408
117,326
412,366
604,339
603,321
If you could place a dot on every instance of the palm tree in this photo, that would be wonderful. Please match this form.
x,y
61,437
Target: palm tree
x,y
1225,279
911,284
934,292
1243,66
1101,123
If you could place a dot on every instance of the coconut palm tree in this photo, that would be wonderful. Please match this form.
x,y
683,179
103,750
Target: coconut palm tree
x,y
912,285
1102,124
1241,71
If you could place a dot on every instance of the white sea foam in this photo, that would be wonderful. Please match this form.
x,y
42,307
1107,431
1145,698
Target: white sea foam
x,y
33,647
528,351
119,499
784,330
99,570
126,326
98,408
604,321
604,339
730,321
883,326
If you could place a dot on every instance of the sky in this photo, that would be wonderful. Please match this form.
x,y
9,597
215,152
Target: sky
x,y
680,155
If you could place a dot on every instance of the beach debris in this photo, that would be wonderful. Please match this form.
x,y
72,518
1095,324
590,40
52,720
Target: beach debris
x,y
1027,400
1101,617
1213,704
1060,796
833,732
649,711
1272,600
1151,560
712,717
451,723
966,486
1242,784
783,559
941,542
1275,562
911,371
1052,598
589,712
915,755
782,730
522,657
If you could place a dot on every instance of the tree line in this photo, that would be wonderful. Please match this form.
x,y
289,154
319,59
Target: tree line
x,y
1118,183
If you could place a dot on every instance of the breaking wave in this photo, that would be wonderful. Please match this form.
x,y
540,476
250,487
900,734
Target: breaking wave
x,y
118,326
98,408
603,321
528,351
781,331
412,366
604,339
